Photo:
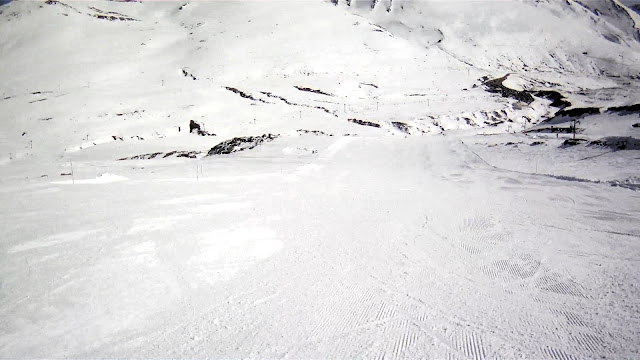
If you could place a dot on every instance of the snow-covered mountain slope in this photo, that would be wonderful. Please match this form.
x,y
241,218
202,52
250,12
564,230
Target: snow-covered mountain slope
x,y
145,69
319,179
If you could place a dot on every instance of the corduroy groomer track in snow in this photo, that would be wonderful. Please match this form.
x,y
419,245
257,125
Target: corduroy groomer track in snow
x,y
320,179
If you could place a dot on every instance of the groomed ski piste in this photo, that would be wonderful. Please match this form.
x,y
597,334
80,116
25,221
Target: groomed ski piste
x,y
320,179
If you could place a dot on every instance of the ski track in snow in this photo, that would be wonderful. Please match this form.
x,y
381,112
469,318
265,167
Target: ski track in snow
x,y
366,230
350,269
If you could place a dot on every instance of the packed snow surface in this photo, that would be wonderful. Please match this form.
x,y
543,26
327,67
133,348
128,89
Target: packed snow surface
x,y
391,179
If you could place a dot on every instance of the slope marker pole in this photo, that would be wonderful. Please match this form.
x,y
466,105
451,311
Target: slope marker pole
x,y
73,179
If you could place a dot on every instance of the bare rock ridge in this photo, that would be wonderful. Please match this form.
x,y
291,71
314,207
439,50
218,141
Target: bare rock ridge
x,y
240,144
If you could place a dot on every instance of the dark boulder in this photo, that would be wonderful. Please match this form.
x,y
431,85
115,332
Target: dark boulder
x,y
198,128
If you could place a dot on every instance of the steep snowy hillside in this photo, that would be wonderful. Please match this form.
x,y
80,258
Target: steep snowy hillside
x,y
319,179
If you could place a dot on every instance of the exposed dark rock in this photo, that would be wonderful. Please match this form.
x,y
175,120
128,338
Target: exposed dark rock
x,y
240,144
143,156
636,125
630,183
364,123
552,129
625,110
198,128
617,143
437,124
313,90
54,2
271,95
572,142
129,113
536,143
109,12
243,94
558,100
402,127
578,112
100,14
496,86
117,138
194,126
565,115
187,154
187,74
113,18
469,121
315,132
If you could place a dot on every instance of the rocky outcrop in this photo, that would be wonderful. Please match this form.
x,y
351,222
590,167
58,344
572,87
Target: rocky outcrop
x,y
557,100
497,86
314,132
198,129
578,112
617,143
625,110
158,155
306,89
240,144
271,95
364,123
243,94
402,127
